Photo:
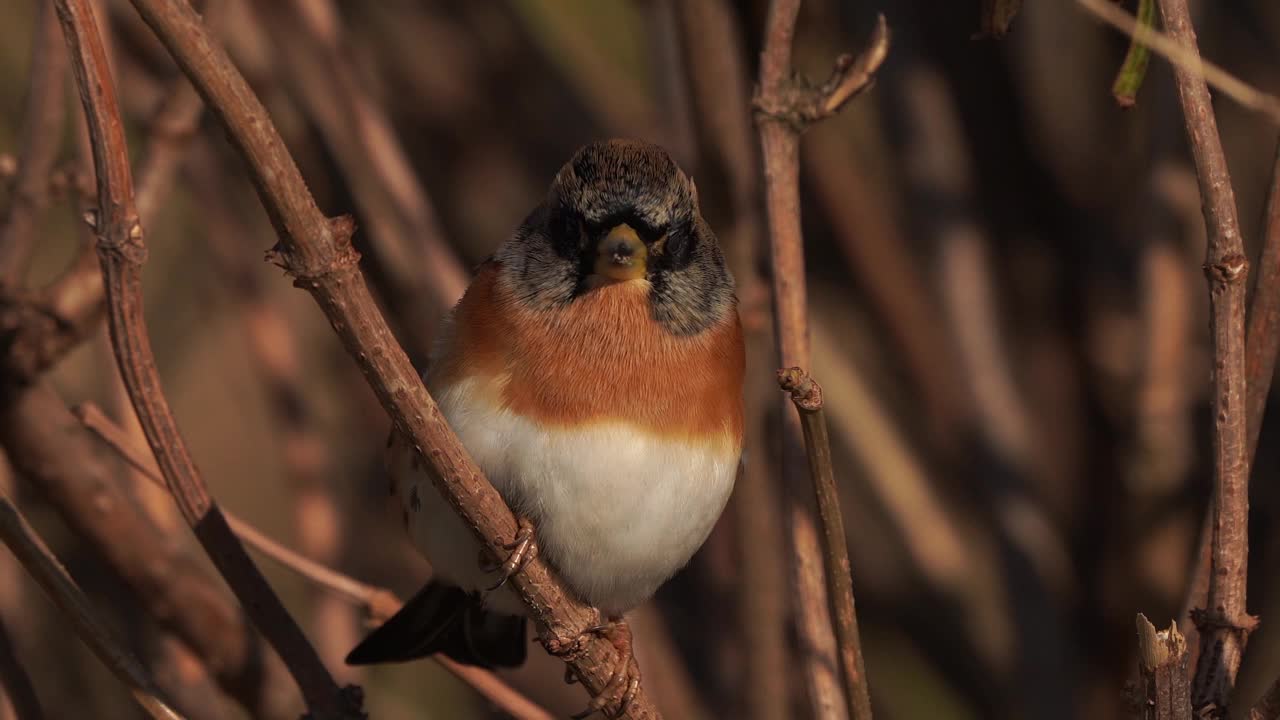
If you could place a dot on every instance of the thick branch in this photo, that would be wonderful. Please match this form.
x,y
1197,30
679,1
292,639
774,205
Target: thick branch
x,y
53,578
1162,659
378,604
1225,623
807,397
39,143
122,252
317,252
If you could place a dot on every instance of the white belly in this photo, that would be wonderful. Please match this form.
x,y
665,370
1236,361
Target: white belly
x,y
616,510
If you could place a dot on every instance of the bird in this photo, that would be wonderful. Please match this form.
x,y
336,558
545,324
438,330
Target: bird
x,y
593,369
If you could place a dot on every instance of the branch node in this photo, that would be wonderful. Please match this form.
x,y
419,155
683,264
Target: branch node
x,y
344,259
806,393
1230,269
1242,624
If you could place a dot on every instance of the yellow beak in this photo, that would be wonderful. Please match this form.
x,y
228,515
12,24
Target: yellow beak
x,y
621,255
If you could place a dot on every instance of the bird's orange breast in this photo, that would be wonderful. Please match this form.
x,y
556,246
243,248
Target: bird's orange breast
x,y
600,358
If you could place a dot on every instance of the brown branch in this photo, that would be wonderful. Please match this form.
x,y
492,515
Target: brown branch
x,y
1225,623
806,394
784,106
122,253
38,330
719,82
377,603
318,253
1162,660
58,585
49,448
425,276
40,140
15,684
1263,339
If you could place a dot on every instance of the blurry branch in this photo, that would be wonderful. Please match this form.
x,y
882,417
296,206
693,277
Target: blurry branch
x,y
718,80
671,80
784,106
1263,339
425,275
807,397
1162,659
998,16
39,143
1225,624
15,684
1134,68
39,329
58,585
1185,58
317,252
1260,362
122,253
377,603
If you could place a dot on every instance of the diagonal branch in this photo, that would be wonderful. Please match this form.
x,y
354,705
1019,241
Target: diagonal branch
x,y
1225,623
806,394
15,684
53,578
122,252
377,603
318,253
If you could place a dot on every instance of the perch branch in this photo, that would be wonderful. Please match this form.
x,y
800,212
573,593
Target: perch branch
x,y
1225,623
58,585
784,106
317,252
1162,659
806,394
378,604
122,252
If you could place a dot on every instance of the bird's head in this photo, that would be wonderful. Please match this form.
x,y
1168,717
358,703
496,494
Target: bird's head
x,y
623,211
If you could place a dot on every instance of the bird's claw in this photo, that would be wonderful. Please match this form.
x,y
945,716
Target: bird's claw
x,y
523,549
624,683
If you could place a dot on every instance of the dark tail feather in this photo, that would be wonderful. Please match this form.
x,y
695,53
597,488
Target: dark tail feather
x,y
444,619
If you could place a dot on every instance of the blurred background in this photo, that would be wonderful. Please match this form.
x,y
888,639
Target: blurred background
x,y
1008,317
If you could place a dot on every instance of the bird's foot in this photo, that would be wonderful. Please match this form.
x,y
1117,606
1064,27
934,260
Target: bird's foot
x,y
523,549
624,683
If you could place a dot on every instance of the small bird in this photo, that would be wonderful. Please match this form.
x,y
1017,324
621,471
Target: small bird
x,y
593,369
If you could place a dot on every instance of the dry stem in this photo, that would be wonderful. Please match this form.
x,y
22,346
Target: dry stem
x,y
53,578
785,106
122,253
806,394
1162,659
1225,623
317,252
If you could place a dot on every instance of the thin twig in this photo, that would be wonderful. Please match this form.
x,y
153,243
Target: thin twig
x,y
317,252
1134,68
1225,624
41,137
377,603
53,578
122,253
15,684
1186,58
784,107
806,394
1162,658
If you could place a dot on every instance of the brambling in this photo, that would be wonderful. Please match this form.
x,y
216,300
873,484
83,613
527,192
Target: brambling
x,y
593,369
